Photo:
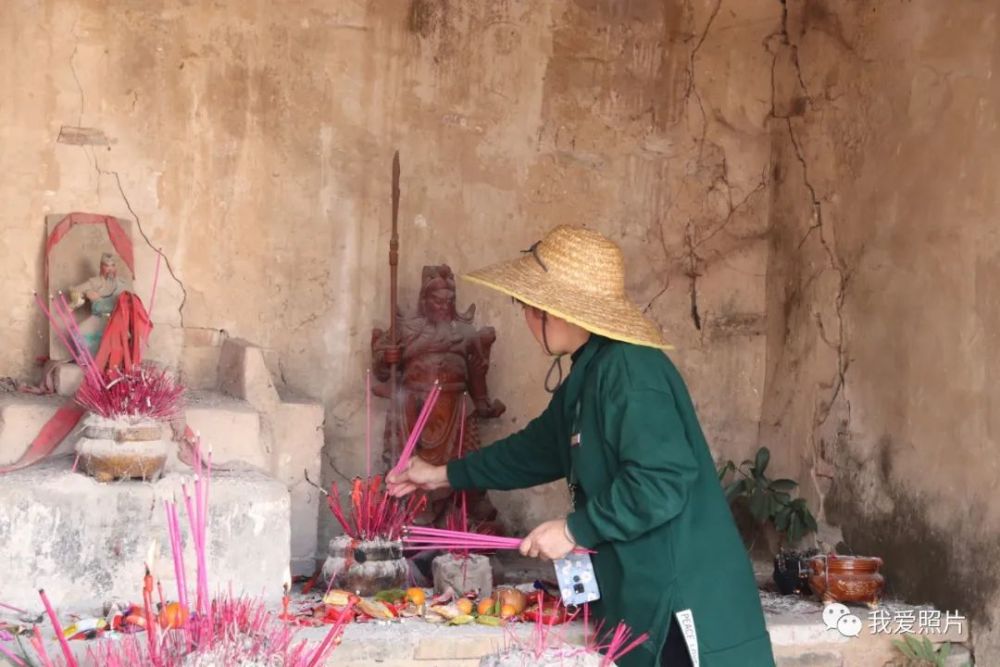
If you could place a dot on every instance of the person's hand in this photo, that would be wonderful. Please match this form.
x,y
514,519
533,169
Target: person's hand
x,y
418,474
549,540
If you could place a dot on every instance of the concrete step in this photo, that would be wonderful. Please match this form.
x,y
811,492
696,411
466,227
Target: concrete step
x,y
21,417
230,426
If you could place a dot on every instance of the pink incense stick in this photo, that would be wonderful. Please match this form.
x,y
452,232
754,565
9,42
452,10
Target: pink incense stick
x,y
36,641
13,608
10,656
62,309
620,644
204,520
156,278
200,602
368,423
63,644
173,527
424,537
332,636
66,328
55,324
540,634
201,498
461,442
418,429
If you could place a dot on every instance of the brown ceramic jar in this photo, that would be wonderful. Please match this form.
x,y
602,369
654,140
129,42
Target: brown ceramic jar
x,y
844,579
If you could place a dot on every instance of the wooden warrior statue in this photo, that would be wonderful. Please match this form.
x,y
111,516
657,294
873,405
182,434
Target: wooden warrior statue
x,y
438,344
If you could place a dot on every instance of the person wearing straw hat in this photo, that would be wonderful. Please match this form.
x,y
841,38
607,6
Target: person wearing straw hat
x,y
623,431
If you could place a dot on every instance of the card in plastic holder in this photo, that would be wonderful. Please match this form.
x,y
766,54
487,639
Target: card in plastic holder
x,y
577,581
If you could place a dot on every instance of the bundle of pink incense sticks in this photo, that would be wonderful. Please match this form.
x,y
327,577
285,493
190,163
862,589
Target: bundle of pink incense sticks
x,y
420,538
418,429
620,642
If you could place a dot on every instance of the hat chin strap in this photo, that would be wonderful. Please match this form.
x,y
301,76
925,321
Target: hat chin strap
x,y
556,364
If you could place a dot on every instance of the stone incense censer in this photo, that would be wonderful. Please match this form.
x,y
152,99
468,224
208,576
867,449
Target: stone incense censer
x,y
368,557
126,434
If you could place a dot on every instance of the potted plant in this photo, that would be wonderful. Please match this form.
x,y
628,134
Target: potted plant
x,y
770,503
923,653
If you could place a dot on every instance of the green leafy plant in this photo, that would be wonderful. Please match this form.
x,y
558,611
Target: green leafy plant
x,y
922,652
769,500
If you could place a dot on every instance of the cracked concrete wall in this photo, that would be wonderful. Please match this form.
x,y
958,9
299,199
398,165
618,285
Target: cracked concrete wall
x,y
252,141
882,308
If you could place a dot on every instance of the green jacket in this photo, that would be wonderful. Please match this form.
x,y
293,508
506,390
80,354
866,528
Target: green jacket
x,y
647,499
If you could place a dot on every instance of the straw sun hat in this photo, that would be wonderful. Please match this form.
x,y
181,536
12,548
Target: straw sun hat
x,y
577,275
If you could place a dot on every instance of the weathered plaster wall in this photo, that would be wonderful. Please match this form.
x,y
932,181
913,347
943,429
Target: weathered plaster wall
x,y
252,141
883,313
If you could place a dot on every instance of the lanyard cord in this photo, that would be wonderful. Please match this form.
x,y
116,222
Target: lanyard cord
x,y
556,364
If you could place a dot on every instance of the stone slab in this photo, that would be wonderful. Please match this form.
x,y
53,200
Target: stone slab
x,y
229,426
86,542
297,433
799,621
800,638
463,575
811,659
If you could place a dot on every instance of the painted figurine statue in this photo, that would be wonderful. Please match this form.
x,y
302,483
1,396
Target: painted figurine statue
x,y
101,292
438,344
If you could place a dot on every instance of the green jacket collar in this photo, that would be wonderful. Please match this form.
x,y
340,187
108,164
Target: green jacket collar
x,y
578,373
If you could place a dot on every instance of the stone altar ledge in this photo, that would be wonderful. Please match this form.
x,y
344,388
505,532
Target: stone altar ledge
x,y
86,543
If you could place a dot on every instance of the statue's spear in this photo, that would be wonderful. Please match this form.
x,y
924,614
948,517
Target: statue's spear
x,y
393,333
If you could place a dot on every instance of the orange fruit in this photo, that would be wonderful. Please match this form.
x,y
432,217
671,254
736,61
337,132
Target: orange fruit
x,y
464,605
486,607
512,596
173,616
508,611
416,596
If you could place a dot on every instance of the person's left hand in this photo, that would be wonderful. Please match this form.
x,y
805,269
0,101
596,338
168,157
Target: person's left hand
x,y
547,541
